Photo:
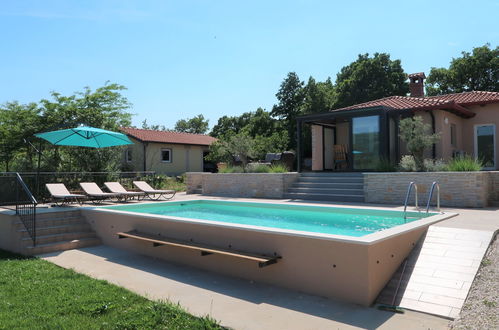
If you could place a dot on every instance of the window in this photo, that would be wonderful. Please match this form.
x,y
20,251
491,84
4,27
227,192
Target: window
x,y
166,155
365,138
128,155
453,140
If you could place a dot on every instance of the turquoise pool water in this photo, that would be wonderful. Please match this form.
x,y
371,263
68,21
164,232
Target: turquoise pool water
x,y
327,220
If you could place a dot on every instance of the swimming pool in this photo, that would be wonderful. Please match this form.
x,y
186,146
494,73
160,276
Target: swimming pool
x,y
346,253
327,220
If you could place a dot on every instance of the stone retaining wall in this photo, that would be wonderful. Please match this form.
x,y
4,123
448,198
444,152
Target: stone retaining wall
x,y
457,189
259,185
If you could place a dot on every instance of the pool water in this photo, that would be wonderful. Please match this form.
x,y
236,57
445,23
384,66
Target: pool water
x,y
328,220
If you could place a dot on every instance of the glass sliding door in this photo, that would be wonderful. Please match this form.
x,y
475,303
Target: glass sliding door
x,y
365,142
485,148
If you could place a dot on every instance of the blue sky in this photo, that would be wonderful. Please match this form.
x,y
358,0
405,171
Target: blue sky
x,y
182,58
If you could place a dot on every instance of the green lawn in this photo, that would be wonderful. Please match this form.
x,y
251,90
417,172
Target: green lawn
x,y
35,294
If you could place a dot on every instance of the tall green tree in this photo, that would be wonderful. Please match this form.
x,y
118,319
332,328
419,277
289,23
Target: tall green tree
x,y
196,125
18,122
475,71
290,97
319,96
369,78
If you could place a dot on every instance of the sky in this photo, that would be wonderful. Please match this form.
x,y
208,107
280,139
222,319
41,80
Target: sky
x,y
179,59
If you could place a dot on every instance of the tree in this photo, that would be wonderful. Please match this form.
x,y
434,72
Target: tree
x,y
291,97
319,96
478,70
418,137
369,78
104,107
196,125
241,146
145,125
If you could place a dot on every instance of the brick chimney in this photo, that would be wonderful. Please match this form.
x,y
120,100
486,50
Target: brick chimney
x,y
416,84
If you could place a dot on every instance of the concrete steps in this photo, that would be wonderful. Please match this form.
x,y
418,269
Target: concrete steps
x,y
327,186
58,231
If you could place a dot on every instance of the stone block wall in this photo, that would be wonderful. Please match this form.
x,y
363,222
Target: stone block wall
x,y
494,186
457,189
258,185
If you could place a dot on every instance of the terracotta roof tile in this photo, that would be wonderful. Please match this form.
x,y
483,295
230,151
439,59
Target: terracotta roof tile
x,y
148,135
452,102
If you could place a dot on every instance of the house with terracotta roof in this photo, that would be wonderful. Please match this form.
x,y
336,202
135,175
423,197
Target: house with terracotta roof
x,y
165,152
368,132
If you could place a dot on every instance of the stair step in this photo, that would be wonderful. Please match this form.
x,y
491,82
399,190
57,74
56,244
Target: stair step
x,y
49,222
58,214
334,185
58,229
52,238
313,179
329,191
326,197
331,174
62,246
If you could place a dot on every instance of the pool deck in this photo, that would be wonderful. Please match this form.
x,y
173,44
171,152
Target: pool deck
x,y
242,304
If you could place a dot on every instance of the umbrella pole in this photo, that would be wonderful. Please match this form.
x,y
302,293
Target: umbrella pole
x,y
38,170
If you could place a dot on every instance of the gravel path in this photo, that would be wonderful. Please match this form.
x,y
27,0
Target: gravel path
x,y
481,309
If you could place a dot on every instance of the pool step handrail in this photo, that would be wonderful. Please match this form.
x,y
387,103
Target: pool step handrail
x,y
430,195
409,189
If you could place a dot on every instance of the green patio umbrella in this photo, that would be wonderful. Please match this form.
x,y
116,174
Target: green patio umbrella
x,y
85,136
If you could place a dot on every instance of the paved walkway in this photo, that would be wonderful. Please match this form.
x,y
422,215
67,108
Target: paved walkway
x,y
236,303
439,271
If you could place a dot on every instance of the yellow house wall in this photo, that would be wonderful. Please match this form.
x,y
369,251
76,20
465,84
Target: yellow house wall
x,y
184,158
317,155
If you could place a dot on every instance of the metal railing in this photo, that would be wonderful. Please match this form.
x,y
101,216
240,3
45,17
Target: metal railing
x,y
15,193
409,189
430,195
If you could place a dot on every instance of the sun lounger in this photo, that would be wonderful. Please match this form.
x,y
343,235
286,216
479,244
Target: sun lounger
x,y
95,193
152,193
117,188
61,194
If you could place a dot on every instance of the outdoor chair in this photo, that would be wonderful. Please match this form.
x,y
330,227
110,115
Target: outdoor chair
x,y
96,194
117,188
154,194
340,156
61,195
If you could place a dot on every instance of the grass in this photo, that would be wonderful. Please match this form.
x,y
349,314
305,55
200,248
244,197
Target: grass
x,y
35,294
257,168
464,164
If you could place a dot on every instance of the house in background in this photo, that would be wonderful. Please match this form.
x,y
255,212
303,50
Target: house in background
x,y
165,152
368,132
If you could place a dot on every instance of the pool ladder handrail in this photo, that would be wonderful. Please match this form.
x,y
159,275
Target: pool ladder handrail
x,y
430,195
409,189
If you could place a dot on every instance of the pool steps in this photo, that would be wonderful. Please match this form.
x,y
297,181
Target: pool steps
x,y
58,231
328,186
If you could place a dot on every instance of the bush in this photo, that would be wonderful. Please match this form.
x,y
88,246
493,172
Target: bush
x,y
258,168
231,169
434,165
407,164
384,165
464,164
279,168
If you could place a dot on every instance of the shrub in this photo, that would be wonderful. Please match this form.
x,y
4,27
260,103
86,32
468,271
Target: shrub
x,y
278,168
434,165
384,165
232,169
407,164
464,164
258,168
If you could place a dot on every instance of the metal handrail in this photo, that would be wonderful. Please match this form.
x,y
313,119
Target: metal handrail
x,y
409,189
26,206
430,195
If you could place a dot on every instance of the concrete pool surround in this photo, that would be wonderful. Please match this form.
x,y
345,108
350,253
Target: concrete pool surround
x,y
348,268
